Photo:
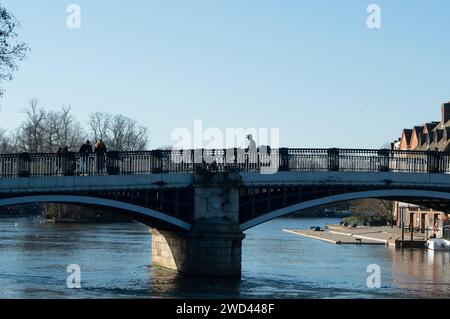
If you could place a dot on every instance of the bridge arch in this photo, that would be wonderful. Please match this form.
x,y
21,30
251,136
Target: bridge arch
x,y
142,213
392,194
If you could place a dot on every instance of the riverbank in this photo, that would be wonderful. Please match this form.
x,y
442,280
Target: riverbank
x,y
337,234
334,238
84,221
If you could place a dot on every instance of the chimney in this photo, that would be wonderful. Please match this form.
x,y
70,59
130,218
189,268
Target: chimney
x,y
445,108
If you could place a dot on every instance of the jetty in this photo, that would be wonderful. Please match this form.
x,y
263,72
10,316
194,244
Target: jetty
x,y
334,238
341,235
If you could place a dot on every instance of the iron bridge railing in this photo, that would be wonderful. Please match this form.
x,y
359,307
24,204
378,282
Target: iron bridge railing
x,y
230,160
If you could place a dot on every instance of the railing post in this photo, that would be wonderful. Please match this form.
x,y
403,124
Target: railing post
x,y
112,163
439,164
383,160
157,162
433,160
199,161
231,160
69,164
24,165
333,159
236,160
284,159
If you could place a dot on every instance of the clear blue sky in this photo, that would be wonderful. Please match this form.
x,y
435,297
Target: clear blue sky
x,y
311,68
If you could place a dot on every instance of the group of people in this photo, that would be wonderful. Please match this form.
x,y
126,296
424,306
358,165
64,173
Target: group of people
x,y
85,153
86,150
88,153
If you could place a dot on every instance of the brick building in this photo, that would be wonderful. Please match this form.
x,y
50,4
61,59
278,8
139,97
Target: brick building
x,y
431,136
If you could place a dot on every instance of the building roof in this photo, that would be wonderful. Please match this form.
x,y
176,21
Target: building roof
x,y
433,135
445,146
423,142
438,135
407,132
442,145
418,129
424,139
429,127
447,132
429,138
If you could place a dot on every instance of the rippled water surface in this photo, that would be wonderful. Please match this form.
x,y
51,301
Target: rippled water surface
x,y
115,263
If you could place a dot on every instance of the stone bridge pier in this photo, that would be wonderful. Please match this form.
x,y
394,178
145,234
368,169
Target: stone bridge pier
x,y
213,246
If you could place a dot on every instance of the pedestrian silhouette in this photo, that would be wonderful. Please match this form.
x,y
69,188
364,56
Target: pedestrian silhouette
x,y
251,150
100,154
85,153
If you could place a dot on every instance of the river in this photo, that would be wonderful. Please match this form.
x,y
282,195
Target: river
x,y
115,263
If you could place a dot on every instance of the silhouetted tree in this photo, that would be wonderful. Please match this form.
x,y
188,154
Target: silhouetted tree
x,y
45,131
5,142
11,51
29,136
119,132
380,207
99,124
67,131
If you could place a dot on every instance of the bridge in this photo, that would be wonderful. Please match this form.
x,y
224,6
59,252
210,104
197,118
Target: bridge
x,y
198,203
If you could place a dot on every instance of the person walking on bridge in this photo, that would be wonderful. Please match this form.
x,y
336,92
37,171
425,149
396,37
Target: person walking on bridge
x,y
252,153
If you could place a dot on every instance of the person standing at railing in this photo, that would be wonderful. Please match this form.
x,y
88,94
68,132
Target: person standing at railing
x,y
85,153
100,153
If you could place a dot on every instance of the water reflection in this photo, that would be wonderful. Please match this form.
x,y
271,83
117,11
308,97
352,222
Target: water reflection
x,y
417,270
166,283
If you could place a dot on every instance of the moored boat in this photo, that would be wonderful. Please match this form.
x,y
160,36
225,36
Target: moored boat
x,y
438,244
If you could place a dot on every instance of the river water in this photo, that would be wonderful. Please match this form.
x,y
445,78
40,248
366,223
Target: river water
x,y
115,263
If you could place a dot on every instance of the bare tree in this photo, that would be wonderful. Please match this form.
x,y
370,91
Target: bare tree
x,y
5,142
52,127
99,124
11,51
69,131
45,131
62,129
30,135
127,135
119,132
